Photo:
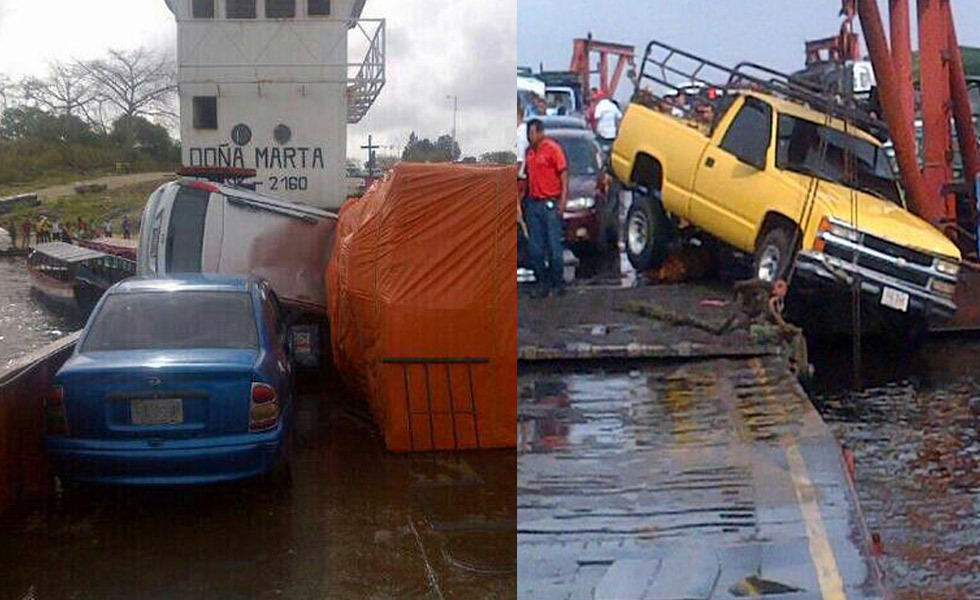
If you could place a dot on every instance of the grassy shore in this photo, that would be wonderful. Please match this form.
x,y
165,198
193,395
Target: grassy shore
x,y
95,208
51,179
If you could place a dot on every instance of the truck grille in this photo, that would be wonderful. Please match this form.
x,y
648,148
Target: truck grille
x,y
891,249
906,274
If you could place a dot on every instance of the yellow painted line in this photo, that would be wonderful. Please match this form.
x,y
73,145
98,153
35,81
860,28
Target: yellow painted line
x,y
831,585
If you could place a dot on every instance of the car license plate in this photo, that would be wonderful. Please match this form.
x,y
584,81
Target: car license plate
x,y
895,299
159,411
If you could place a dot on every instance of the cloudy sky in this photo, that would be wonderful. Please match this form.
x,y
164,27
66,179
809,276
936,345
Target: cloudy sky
x,y
436,48
770,32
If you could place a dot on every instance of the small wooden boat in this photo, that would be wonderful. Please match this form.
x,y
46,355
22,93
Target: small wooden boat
x,y
73,276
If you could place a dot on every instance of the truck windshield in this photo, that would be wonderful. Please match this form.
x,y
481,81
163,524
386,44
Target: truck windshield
x,y
799,149
580,153
173,320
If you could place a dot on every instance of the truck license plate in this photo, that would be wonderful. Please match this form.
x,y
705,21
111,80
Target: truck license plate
x,y
895,299
160,411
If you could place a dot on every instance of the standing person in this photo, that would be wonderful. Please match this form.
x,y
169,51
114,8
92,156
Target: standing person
x,y
547,174
607,119
56,230
522,145
25,228
126,227
12,229
108,228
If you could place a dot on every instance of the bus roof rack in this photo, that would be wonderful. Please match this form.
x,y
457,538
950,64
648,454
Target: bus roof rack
x,y
675,69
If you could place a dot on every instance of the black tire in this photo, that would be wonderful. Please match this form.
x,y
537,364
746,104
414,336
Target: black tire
x,y
774,255
648,232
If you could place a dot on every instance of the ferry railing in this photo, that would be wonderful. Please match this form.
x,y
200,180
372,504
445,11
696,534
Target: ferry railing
x,y
24,470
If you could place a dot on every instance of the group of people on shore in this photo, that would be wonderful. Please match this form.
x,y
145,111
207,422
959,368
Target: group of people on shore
x,y
51,230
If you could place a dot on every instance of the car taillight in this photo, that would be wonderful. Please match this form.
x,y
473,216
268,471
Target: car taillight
x,y
55,415
264,409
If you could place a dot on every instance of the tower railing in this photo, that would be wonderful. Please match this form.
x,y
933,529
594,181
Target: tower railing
x,y
363,89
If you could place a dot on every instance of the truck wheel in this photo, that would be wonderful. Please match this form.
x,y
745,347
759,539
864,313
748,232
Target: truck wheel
x,y
774,255
648,233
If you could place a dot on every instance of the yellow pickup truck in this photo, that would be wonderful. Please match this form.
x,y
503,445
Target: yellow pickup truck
x,y
778,180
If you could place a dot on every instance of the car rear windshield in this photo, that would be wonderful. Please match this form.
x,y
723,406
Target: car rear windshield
x,y
580,153
813,149
173,320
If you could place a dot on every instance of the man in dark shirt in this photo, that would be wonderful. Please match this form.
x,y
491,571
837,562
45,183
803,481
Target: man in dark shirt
x,y
547,175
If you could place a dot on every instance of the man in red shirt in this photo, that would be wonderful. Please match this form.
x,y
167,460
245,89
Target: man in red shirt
x,y
547,176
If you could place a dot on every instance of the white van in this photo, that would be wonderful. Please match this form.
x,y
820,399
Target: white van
x,y
196,226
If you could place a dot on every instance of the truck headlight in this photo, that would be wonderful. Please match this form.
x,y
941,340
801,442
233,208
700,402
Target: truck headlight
x,y
942,287
580,204
947,267
839,230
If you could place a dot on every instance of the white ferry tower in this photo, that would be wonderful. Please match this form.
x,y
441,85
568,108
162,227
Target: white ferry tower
x,y
266,84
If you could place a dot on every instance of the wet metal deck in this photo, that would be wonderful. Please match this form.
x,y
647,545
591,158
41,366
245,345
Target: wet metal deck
x,y
359,522
706,475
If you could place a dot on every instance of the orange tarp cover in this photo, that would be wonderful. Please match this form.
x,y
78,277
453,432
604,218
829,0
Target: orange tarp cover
x,y
422,298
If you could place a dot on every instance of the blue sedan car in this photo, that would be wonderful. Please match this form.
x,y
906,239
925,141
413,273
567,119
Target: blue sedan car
x,y
181,380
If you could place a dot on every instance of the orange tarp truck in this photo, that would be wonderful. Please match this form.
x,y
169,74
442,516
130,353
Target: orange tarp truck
x,y
422,299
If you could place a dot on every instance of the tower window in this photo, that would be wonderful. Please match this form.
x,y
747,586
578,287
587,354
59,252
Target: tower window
x,y
280,9
318,8
240,9
205,112
202,9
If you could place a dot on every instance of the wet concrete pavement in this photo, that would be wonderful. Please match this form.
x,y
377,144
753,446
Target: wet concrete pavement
x,y
358,523
692,479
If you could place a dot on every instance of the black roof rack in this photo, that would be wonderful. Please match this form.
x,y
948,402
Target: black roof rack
x,y
663,64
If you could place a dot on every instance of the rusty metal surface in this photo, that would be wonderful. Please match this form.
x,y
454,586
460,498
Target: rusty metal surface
x,y
680,481
589,322
24,471
358,523
967,317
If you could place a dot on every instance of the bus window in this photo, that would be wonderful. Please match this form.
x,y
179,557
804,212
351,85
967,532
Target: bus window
x,y
185,238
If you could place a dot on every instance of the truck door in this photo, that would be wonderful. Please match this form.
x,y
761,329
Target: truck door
x,y
731,183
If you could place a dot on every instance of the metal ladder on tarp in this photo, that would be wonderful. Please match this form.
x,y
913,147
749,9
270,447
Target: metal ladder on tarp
x,y
435,371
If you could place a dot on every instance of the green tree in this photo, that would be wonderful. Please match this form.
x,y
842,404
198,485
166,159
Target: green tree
x,y
140,134
424,150
499,157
